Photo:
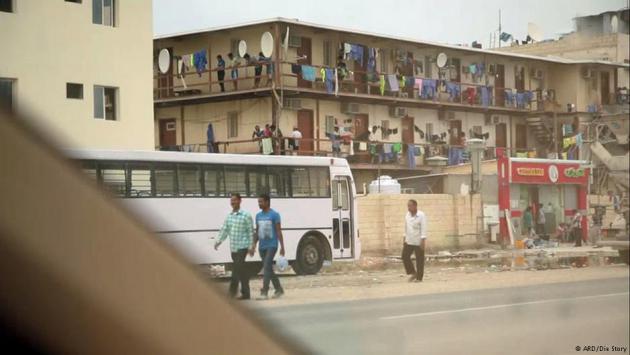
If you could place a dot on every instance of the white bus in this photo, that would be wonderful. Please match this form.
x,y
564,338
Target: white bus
x,y
184,198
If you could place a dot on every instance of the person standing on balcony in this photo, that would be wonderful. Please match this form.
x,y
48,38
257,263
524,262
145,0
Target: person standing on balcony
x,y
258,135
258,69
278,140
414,241
294,141
221,72
234,63
335,139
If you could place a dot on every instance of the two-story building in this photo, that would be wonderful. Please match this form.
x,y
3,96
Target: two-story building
x,y
412,95
81,69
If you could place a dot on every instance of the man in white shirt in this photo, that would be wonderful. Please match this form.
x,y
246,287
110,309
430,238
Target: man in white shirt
x,y
294,142
415,237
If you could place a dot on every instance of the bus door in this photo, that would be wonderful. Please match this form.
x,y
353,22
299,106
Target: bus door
x,y
343,238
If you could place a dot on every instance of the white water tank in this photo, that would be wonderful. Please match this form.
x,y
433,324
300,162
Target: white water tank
x,y
387,186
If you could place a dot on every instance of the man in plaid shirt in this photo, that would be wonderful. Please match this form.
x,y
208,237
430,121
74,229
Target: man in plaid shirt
x,y
239,227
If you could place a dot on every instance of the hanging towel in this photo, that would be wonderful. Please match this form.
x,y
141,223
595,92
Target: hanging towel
x,y
411,156
308,73
382,85
329,75
322,73
566,143
200,61
267,146
392,82
418,84
473,69
387,148
578,139
396,148
402,82
351,148
347,48
336,83
362,146
485,96
356,53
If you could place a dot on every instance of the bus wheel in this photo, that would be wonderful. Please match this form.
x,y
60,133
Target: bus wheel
x,y
310,257
253,268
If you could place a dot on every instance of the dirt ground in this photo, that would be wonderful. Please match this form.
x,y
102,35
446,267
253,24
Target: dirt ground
x,y
380,277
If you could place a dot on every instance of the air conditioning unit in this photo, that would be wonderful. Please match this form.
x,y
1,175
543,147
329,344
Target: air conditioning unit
x,y
295,41
350,108
395,111
587,73
292,104
537,74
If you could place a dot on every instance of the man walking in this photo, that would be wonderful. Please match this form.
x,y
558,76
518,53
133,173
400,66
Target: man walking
x,y
239,227
269,233
540,221
415,236
576,227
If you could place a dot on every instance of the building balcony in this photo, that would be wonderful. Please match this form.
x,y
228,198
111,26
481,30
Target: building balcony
x,y
205,86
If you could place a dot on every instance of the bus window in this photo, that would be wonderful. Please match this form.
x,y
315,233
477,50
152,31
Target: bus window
x,y
257,179
89,169
189,180
113,176
140,181
165,181
213,181
320,182
300,184
278,181
235,180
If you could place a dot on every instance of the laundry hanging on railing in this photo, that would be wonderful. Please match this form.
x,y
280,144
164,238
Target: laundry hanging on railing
x,y
392,83
308,73
567,129
355,52
296,69
329,77
200,61
419,131
453,90
429,87
486,93
381,85
371,65
509,97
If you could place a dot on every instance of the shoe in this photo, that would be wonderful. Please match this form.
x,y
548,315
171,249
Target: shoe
x,y
278,294
412,278
242,298
263,296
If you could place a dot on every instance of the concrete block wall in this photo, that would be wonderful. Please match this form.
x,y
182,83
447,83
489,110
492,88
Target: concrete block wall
x,y
382,222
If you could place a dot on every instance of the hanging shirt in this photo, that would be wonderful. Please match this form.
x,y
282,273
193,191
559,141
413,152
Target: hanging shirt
x,y
308,73
415,228
267,146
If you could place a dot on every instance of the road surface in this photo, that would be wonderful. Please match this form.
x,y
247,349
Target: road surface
x,y
538,319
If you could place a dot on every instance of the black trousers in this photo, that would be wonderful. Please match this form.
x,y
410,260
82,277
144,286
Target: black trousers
x,y
221,76
577,236
406,257
239,274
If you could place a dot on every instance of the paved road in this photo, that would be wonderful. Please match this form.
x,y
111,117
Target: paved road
x,y
541,319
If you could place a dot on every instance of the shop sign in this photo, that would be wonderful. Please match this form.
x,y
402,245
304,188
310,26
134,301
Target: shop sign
x,y
530,171
574,172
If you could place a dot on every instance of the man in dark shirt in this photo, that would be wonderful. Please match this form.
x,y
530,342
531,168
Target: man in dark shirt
x,y
221,71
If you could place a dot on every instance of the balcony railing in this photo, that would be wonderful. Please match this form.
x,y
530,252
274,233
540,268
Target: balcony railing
x,y
392,154
206,82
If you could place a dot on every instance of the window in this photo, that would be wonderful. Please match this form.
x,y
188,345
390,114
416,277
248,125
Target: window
x,y
257,179
140,181
89,169
103,12
300,184
165,181
6,94
105,102
74,91
189,181
278,181
385,129
327,51
232,124
320,182
428,67
330,124
6,5
213,181
235,180
383,57
113,177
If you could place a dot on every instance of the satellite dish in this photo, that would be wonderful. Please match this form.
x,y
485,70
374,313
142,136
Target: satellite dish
x,y
164,61
266,44
441,60
242,48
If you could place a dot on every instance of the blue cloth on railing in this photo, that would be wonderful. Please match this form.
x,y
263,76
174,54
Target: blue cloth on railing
x,y
371,65
509,97
455,155
428,88
529,96
520,100
308,73
409,81
329,81
485,96
200,61
411,156
453,90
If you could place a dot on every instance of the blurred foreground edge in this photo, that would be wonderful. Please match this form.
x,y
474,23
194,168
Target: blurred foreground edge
x,y
78,275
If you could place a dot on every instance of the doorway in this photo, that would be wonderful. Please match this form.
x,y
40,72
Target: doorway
x,y
305,126
521,136
408,130
168,133
455,130
501,135
499,84
304,51
343,238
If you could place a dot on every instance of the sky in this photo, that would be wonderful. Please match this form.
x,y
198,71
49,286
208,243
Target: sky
x,y
445,21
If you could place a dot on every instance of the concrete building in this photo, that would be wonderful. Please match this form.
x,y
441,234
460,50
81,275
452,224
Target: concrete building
x,y
81,68
602,36
186,105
